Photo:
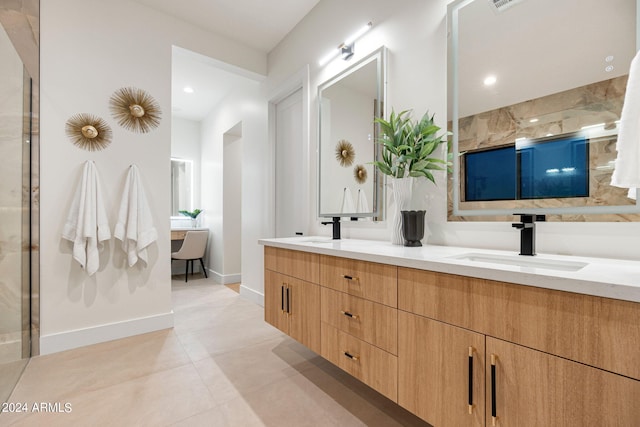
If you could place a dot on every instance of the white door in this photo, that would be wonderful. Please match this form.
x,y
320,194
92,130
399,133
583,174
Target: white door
x,y
290,168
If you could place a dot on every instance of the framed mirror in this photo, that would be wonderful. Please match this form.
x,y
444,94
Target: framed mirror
x,y
181,186
348,183
535,94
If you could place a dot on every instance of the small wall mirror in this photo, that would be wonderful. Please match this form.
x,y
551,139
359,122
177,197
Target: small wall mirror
x,y
181,186
535,94
349,185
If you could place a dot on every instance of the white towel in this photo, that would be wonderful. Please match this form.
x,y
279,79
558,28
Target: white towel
x,y
347,201
135,225
87,224
627,167
362,206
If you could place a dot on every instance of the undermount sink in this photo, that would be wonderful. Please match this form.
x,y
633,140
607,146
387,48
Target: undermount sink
x,y
522,261
317,240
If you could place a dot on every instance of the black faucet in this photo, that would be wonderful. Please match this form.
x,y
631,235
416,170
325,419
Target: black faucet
x,y
527,227
336,227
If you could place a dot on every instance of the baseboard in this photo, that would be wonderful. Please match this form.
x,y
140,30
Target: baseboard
x,y
82,337
225,279
252,295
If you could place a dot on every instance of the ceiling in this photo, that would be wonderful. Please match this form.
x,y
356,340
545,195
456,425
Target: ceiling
x,y
259,24
210,80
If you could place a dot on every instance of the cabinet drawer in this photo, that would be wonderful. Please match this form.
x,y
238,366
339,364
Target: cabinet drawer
x,y
368,280
178,234
371,365
596,331
374,323
302,265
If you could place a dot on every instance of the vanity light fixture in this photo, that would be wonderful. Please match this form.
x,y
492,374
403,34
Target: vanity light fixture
x,y
534,120
346,48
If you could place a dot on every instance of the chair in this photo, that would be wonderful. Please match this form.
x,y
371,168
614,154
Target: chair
x,y
193,247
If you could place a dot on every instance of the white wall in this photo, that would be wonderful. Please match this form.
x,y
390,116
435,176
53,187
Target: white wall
x,y
415,33
416,67
232,199
83,61
247,106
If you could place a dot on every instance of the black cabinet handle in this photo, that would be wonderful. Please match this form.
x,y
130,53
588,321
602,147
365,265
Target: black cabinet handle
x,y
470,397
351,356
350,315
494,412
346,276
288,307
282,298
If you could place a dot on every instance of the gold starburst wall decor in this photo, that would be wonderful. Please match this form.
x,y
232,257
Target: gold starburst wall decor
x,y
88,132
360,174
345,153
135,109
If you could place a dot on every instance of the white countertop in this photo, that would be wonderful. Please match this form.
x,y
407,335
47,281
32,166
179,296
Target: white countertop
x,y
610,278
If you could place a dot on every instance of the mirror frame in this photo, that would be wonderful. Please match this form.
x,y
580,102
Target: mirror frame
x,y
379,55
453,76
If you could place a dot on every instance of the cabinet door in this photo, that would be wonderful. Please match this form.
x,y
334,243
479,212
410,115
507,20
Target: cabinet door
x,y
534,389
304,313
275,300
434,375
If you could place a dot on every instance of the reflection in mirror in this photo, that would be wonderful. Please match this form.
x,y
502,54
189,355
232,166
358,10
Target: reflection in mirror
x,y
181,186
349,185
534,102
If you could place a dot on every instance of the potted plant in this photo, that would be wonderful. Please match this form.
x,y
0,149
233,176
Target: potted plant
x,y
408,148
193,215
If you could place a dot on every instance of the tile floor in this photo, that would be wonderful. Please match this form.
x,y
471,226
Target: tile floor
x,y
221,365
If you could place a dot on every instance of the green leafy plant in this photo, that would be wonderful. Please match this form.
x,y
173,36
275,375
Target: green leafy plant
x,y
408,146
193,214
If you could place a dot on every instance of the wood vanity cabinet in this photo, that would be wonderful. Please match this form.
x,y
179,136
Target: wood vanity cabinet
x,y
463,351
291,303
529,334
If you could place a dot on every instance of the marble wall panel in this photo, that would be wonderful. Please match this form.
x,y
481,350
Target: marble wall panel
x,y
561,113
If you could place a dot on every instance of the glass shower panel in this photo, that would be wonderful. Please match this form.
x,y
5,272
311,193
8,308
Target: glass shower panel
x,y
15,173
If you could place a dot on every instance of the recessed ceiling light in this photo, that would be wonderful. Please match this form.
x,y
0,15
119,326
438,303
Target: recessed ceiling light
x,y
188,89
490,80
609,58
608,68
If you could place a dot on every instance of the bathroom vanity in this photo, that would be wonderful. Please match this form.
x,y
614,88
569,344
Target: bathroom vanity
x,y
467,337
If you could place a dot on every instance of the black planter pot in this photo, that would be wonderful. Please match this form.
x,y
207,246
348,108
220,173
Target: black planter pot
x,y
413,227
